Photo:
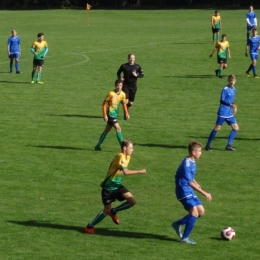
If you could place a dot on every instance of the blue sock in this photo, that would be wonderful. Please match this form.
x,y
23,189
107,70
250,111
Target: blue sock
x,y
254,70
11,65
183,220
17,66
189,226
232,136
211,136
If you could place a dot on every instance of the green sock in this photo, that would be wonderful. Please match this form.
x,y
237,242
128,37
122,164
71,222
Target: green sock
x,y
121,207
39,76
33,73
102,138
220,72
119,137
100,216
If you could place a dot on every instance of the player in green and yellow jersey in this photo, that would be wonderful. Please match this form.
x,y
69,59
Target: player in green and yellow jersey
x,y
216,26
110,109
39,49
112,188
223,51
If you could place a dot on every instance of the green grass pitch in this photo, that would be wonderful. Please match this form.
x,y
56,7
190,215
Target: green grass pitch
x,y
50,174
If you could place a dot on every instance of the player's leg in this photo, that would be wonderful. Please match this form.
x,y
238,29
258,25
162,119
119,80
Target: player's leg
x,y
122,194
34,70
132,93
221,67
17,63
213,35
195,208
219,123
103,135
39,74
233,133
11,62
119,135
254,59
107,198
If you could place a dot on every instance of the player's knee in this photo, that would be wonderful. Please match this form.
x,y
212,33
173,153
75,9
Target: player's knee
x,y
217,128
131,201
224,66
106,211
236,127
118,128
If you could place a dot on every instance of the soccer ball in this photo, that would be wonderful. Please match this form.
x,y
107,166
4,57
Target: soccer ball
x,y
228,233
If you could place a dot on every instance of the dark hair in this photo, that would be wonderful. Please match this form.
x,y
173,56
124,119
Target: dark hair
x,y
217,11
129,55
254,30
231,76
223,35
126,143
194,145
118,81
40,34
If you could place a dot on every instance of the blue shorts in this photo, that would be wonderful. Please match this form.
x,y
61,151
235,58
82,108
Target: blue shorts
x,y
14,56
249,27
230,120
253,56
190,202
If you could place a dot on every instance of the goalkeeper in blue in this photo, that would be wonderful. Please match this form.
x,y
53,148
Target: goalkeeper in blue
x,y
185,187
226,112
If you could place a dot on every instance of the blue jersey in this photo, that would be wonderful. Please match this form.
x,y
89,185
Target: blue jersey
x,y
14,44
184,175
228,97
251,16
253,43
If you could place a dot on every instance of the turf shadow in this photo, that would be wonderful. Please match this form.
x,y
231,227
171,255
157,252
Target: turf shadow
x,y
98,231
163,146
73,115
57,147
191,76
226,137
5,81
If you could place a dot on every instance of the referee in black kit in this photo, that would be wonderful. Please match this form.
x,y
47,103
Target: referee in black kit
x,y
132,72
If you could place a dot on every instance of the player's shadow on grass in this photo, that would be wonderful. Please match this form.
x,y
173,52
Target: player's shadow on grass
x,y
163,146
5,81
217,238
226,137
98,231
73,115
191,76
59,147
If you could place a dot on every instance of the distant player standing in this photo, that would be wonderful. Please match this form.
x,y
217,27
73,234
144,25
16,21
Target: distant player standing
x,y
14,51
226,112
39,49
251,20
131,72
253,44
223,51
185,185
112,188
110,108
216,26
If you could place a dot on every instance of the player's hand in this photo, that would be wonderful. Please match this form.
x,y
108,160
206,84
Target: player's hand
x,y
127,116
246,54
134,73
8,53
122,79
105,118
234,108
208,196
143,171
210,55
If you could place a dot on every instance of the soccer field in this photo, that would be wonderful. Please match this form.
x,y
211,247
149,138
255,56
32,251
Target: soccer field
x,y
50,173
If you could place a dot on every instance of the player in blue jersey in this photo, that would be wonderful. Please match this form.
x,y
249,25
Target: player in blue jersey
x,y
185,187
251,20
226,112
14,51
253,44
